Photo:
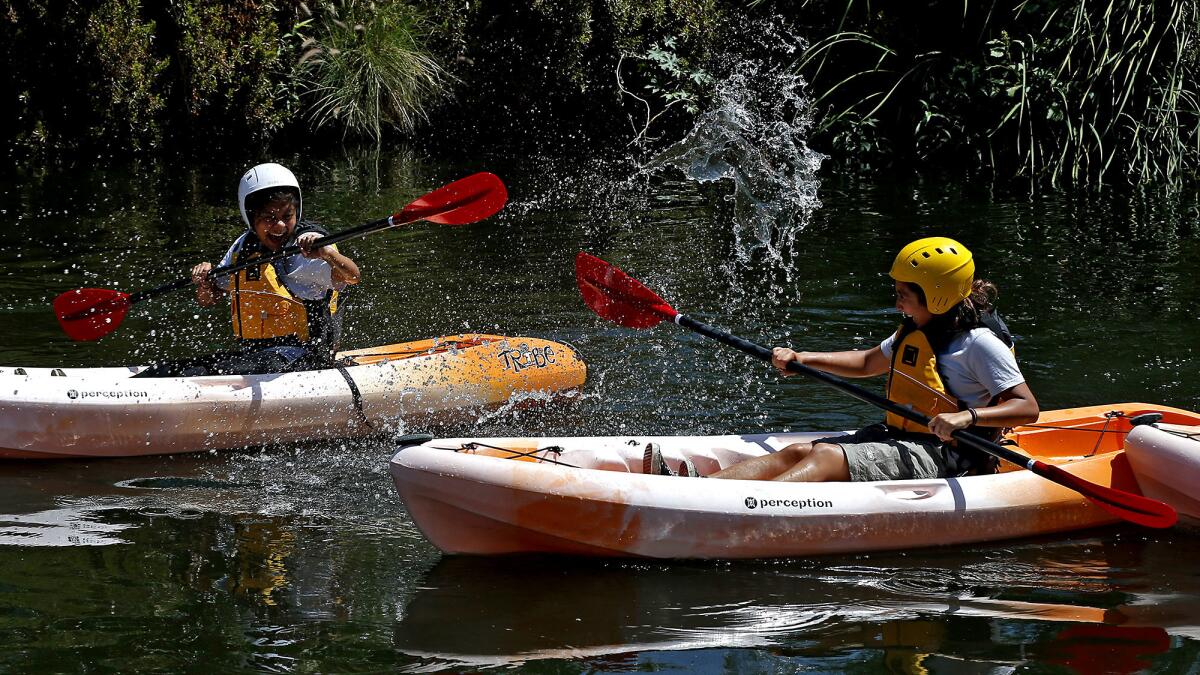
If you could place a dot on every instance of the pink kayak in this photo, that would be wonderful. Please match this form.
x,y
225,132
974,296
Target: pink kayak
x,y
1166,460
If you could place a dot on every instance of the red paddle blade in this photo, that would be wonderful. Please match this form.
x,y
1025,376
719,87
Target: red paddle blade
x,y
90,313
1126,505
618,297
466,200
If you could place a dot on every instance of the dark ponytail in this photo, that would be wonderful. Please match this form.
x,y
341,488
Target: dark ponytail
x,y
964,316
968,313
982,298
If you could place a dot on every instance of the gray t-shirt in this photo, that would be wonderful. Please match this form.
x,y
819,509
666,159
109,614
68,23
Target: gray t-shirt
x,y
976,366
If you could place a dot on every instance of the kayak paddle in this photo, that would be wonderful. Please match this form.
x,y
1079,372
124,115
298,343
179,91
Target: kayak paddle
x,y
620,298
92,313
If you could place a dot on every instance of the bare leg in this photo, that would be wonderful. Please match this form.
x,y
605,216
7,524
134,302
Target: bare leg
x,y
766,467
796,462
824,462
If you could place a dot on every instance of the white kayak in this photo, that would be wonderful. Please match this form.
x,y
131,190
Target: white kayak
x,y
1166,461
106,412
588,496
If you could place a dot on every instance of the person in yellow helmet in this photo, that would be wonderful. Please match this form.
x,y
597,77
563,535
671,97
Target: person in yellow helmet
x,y
951,359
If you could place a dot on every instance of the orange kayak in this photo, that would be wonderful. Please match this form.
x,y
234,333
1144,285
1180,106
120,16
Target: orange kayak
x,y
105,412
587,496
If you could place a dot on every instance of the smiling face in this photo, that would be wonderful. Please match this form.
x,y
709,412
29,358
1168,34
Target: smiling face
x,y
274,223
909,303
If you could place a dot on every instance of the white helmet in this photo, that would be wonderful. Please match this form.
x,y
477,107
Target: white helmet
x,y
264,177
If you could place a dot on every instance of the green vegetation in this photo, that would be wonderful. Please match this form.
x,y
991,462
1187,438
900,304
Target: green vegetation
x,y
1079,92
130,74
543,73
225,60
672,80
1050,92
124,58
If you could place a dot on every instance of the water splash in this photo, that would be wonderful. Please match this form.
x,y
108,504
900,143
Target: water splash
x,y
753,136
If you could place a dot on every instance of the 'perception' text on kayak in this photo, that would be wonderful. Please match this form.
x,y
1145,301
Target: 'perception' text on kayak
x,y
752,503
72,394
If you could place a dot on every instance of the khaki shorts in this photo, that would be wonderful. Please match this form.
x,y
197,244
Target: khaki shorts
x,y
873,454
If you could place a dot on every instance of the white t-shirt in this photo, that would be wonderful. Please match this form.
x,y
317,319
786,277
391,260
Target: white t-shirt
x,y
308,279
976,366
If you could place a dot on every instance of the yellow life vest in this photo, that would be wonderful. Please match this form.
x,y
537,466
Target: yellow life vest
x,y
913,380
262,307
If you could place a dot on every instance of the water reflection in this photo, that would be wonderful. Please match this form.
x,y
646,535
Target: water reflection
x,y
72,525
901,611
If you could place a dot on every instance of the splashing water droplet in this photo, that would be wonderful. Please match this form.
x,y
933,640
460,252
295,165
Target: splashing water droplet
x,y
753,135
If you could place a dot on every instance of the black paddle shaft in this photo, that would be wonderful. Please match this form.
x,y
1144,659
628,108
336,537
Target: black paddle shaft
x,y
761,352
367,228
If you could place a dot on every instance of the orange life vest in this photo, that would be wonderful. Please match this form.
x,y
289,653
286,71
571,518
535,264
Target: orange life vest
x,y
914,380
262,307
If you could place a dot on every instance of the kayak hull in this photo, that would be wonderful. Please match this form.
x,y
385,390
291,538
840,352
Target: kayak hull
x,y
1166,462
587,496
105,412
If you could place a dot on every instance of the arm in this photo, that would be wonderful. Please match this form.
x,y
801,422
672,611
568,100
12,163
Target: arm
x,y
861,363
343,270
207,292
1016,406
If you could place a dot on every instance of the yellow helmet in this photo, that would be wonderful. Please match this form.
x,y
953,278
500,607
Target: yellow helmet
x,y
942,267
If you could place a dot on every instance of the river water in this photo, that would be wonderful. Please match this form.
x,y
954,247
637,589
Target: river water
x,y
301,558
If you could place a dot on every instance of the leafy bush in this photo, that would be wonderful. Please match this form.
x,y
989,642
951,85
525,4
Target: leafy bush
x,y
228,61
667,77
128,93
124,74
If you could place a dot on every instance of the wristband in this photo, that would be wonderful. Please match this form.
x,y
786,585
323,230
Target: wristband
x,y
974,416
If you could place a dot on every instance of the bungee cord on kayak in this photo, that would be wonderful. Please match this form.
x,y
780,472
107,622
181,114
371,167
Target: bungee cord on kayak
x,y
515,454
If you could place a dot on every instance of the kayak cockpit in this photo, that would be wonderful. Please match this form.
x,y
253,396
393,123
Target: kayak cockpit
x,y
1060,437
1064,436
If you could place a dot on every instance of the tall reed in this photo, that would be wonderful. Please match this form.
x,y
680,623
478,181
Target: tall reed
x,y
365,68
1080,92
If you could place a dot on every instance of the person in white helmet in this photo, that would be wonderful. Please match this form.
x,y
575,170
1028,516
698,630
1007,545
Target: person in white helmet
x,y
288,310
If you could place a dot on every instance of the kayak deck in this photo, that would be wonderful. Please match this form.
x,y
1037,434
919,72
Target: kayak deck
x,y
349,358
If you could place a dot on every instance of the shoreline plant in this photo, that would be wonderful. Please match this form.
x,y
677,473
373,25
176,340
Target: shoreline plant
x,y
1059,94
365,69
1073,93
